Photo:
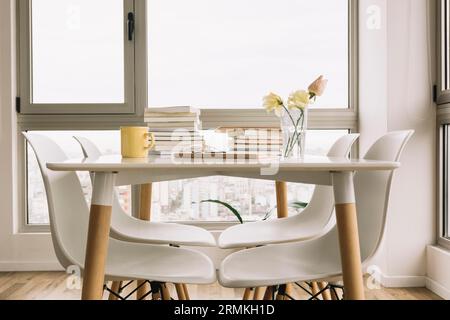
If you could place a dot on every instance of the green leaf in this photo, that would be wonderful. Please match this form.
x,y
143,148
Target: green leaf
x,y
299,205
269,214
228,206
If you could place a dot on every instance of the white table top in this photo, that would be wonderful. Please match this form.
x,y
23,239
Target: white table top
x,y
116,163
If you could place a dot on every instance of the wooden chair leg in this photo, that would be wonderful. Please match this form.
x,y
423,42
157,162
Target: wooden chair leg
x,y
259,293
315,288
115,287
180,292
186,292
284,291
157,291
165,292
247,294
281,292
143,289
269,293
334,295
326,295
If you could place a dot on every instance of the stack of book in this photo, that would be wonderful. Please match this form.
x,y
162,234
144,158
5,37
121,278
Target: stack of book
x,y
177,141
267,141
186,118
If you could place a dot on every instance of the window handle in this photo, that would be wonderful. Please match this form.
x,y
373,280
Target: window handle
x,y
131,26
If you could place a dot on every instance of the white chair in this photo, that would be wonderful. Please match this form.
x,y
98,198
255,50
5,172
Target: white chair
x,y
319,259
69,215
310,223
127,228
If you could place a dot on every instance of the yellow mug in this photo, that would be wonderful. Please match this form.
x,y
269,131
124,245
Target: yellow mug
x,y
136,142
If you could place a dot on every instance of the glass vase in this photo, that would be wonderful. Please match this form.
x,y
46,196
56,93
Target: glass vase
x,y
294,124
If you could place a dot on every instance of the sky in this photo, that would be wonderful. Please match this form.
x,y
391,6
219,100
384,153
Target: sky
x,y
230,53
202,53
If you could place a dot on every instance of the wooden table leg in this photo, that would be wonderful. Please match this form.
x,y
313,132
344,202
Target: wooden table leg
x,y
145,208
98,236
282,200
283,210
347,224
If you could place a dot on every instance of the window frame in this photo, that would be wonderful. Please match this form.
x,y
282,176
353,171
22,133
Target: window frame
x,y
27,107
443,120
329,119
318,118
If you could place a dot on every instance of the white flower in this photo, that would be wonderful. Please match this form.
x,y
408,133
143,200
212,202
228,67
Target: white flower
x,y
273,103
299,100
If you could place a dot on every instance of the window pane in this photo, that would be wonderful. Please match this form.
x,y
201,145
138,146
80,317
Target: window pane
x,y
107,141
446,188
180,200
229,53
77,51
445,42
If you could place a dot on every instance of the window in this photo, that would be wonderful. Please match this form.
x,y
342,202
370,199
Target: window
x,y
248,48
177,200
77,58
82,71
181,200
443,100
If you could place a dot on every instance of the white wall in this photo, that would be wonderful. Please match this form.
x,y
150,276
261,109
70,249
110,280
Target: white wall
x,y
17,251
410,81
396,94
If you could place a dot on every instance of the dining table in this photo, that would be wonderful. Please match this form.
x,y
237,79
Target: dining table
x,y
113,170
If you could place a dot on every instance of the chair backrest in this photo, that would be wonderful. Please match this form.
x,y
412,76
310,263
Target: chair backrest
x,y
68,210
372,191
321,206
89,149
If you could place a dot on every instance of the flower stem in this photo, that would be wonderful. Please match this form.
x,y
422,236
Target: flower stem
x,y
296,137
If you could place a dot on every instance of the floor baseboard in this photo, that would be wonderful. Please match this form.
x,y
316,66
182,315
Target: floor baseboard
x,y
403,281
438,289
30,266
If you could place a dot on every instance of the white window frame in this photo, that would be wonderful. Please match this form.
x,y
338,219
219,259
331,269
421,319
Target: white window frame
x,y
443,119
70,117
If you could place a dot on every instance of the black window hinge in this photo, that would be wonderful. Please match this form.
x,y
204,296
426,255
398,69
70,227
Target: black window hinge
x,y
18,104
435,93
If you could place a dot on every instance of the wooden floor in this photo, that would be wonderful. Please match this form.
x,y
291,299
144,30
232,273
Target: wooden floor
x,y
53,286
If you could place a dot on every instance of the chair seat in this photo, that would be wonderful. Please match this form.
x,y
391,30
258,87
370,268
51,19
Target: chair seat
x,y
135,230
134,261
280,264
277,231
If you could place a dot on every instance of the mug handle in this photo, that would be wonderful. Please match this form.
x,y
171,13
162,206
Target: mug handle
x,y
152,141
